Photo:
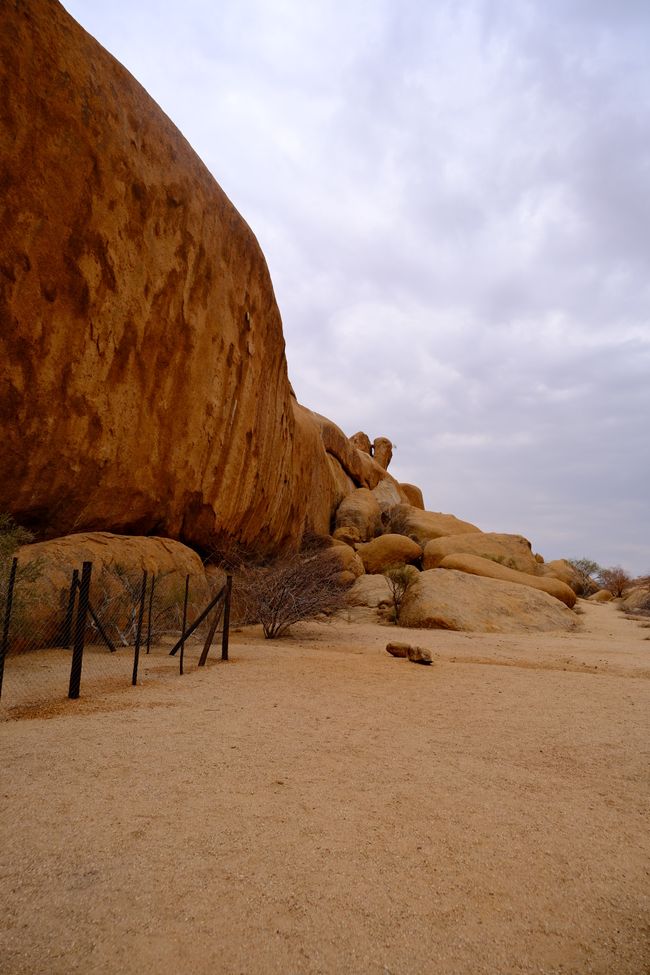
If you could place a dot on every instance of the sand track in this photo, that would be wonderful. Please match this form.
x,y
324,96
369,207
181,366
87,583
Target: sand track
x,y
316,806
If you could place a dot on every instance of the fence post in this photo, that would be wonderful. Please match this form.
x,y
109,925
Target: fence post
x,y
7,620
226,619
187,592
66,633
138,632
153,583
211,632
80,631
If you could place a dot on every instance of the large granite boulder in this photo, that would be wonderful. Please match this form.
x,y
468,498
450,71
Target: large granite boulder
x,y
422,526
117,566
602,596
450,600
370,590
143,380
350,563
563,570
360,511
382,451
489,569
413,495
512,551
386,550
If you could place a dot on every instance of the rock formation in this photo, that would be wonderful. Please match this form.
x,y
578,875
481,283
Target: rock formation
x,y
446,599
386,550
513,551
112,557
489,569
423,526
143,379
144,384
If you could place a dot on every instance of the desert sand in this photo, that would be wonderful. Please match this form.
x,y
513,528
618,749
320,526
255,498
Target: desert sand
x,y
317,806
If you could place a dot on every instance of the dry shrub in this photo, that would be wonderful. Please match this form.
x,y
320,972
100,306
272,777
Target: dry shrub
x,y
587,571
615,579
400,578
294,588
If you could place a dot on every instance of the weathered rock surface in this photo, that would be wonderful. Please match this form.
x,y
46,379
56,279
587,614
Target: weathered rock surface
x,y
638,599
112,556
370,590
489,569
513,551
563,570
361,441
143,381
602,596
382,451
347,558
398,649
350,536
360,511
386,550
422,526
388,493
419,655
450,600
413,495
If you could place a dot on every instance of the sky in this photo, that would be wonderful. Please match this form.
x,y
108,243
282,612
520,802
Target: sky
x,y
453,198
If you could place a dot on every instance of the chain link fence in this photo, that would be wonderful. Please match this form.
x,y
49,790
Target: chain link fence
x,y
103,630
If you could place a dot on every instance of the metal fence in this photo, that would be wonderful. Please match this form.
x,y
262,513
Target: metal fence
x,y
131,629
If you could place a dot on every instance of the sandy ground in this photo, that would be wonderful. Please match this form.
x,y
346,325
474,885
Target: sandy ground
x,y
316,806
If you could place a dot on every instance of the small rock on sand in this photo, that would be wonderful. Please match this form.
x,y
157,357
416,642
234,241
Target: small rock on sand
x,y
399,649
419,655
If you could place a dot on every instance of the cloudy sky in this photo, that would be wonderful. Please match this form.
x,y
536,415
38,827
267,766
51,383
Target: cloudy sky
x,y
453,198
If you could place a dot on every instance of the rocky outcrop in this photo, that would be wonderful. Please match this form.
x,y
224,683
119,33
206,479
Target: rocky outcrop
x,y
513,551
388,494
386,550
361,441
118,562
563,570
450,600
382,451
370,590
602,596
422,526
489,569
350,563
360,511
413,495
143,380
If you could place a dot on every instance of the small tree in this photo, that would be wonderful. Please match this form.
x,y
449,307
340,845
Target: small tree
x,y
616,579
303,586
587,571
400,578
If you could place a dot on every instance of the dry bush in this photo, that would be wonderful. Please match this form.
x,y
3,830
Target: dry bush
x,y
615,579
294,588
587,571
400,578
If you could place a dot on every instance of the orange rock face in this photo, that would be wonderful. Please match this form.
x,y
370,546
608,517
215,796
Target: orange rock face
x,y
143,377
